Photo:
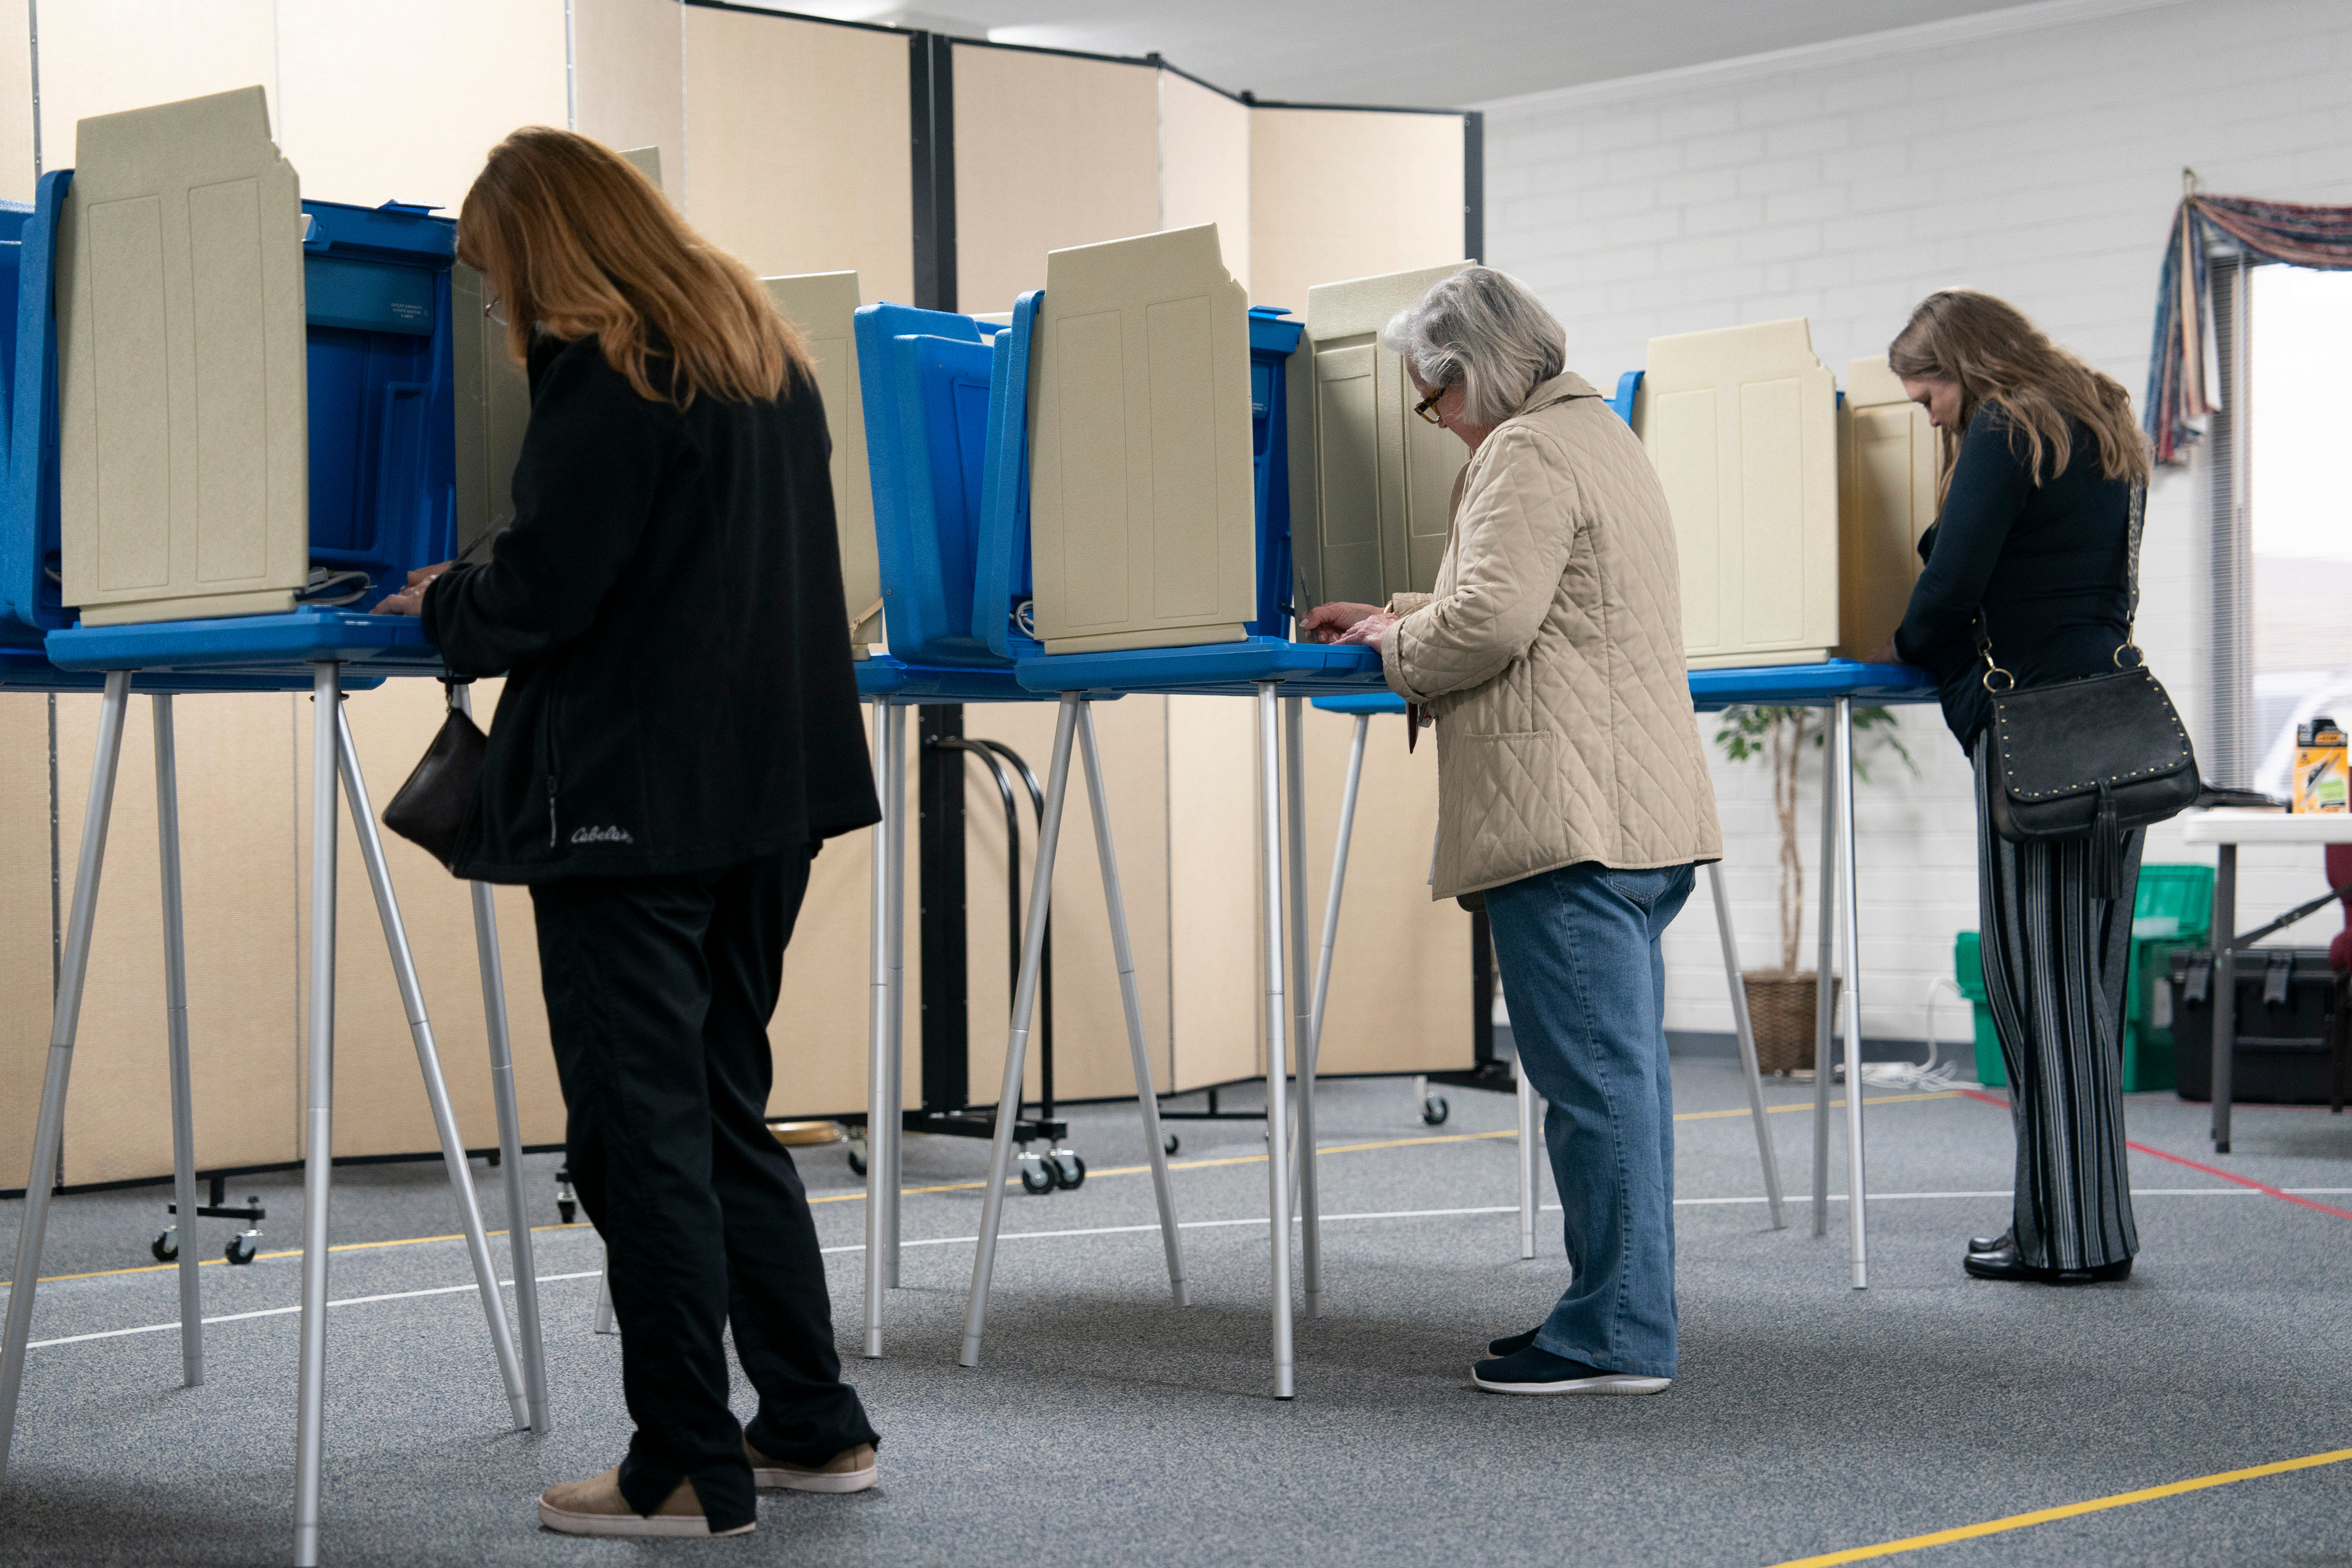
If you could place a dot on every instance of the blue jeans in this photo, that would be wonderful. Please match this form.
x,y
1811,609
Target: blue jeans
x,y
1586,983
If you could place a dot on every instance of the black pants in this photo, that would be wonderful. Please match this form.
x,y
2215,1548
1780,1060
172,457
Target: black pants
x,y
658,994
2055,961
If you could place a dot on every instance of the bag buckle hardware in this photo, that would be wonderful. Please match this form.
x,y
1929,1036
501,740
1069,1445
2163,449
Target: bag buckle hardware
x,y
2139,660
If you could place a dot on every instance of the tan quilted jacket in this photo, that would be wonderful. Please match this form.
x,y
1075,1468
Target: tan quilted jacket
x,y
1551,655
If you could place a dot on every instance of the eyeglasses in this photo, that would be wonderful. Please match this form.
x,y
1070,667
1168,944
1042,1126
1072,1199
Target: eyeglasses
x,y
1427,407
495,309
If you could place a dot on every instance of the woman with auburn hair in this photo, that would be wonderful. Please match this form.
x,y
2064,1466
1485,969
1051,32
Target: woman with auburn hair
x,y
677,737
2028,564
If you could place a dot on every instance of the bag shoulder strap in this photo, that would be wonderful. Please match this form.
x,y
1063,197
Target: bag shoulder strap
x,y
2139,518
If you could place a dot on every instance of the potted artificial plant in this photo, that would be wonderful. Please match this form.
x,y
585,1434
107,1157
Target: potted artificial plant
x,y
1781,1002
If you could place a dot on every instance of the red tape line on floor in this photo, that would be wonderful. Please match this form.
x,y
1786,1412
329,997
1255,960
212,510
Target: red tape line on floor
x,y
2279,1194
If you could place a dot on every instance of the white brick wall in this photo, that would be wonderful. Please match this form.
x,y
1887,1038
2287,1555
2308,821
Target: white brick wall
x,y
2041,164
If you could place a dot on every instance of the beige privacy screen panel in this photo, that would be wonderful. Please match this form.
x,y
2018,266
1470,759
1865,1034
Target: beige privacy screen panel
x,y
1741,424
182,435
823,305
1886,498
1142,516
493,403
1383,480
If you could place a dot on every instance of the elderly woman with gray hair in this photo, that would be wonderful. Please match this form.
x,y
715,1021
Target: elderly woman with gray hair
x,y
1572,794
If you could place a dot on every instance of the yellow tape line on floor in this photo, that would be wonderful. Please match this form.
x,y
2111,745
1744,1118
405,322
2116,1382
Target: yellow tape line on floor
x,y
967,1186
2070,1511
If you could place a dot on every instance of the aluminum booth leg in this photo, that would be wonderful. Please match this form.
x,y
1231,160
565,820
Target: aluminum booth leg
x,y
1743,1029
175,1034
1310,1197
1530,1105
1824,991
48,1134
428,1064
520,1248
1302,994
894,827
1146,1096
1017,1044
879,1104
1277,1064
1856,1189
319,1116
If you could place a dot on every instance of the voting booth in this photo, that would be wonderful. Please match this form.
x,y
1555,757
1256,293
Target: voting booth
x,y
255,419
1797,506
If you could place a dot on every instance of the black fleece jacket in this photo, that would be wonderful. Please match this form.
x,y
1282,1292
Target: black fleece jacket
x,y
2044,564
666,609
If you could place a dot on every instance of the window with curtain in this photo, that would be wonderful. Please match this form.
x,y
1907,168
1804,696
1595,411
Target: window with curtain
x,y
2281,514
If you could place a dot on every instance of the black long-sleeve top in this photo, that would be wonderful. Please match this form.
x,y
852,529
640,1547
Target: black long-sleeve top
x,y
2044,565
666,609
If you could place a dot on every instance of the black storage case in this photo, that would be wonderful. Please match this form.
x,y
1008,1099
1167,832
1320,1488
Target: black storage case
x,y
2287,999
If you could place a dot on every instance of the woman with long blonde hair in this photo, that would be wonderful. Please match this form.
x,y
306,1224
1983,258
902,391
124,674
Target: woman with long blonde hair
x,y
678,736
2028,567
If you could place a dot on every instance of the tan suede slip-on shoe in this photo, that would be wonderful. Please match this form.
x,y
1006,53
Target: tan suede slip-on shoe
x,y
851,1470
597,1508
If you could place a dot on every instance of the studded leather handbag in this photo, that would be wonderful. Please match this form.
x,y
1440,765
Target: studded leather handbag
x,y
2089,758
432,809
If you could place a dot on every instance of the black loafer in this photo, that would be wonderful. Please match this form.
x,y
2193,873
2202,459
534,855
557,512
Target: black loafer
x,y
2005,1264
2005,1241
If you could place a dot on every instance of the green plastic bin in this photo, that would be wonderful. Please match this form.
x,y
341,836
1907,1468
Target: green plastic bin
x,y
2174,907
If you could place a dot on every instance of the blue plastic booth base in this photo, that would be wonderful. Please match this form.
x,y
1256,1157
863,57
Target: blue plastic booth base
x,y
1304,669
255,646
1810,685
916,683
1361,702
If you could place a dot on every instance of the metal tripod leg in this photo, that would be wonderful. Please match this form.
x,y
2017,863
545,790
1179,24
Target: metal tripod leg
x,y
319,1116
605,1323
48,1134
1017,1044
1745,1032
1302,994
1106,854
1841,763
1277,1064
880,1109
175,1032
1310,1045
1824,990
1530,1145
519,1247
894,827
428,1063
603,1301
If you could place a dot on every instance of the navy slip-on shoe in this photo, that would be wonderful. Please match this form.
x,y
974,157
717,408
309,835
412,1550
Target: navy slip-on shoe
x,y
1537,1371
1512,1344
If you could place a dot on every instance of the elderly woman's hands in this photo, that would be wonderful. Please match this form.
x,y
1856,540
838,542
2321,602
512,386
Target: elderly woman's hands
x,y
1334,621
1369,630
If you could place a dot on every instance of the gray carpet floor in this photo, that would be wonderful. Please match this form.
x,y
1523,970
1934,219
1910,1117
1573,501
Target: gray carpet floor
x,y
1106,1425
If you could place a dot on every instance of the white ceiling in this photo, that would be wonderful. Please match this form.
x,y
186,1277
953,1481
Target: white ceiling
x,y
1433,53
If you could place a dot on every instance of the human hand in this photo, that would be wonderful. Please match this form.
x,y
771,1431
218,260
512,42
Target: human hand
x,y
1886,654
1327,623
410,600
1369,631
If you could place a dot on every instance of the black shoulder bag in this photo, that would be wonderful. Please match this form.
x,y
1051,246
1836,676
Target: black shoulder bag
x,y
2091,758
431,809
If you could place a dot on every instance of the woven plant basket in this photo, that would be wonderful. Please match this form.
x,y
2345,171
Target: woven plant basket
x,y
1780,1011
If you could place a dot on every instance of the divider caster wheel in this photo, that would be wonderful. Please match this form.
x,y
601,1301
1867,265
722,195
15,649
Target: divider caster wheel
x,y
166,1246
1069,1172
1435,1110
856,1152
1037,1175
1171,1143
242,1246
567,1206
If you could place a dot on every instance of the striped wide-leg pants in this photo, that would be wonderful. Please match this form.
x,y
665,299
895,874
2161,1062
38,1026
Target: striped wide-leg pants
x,y
2054,965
